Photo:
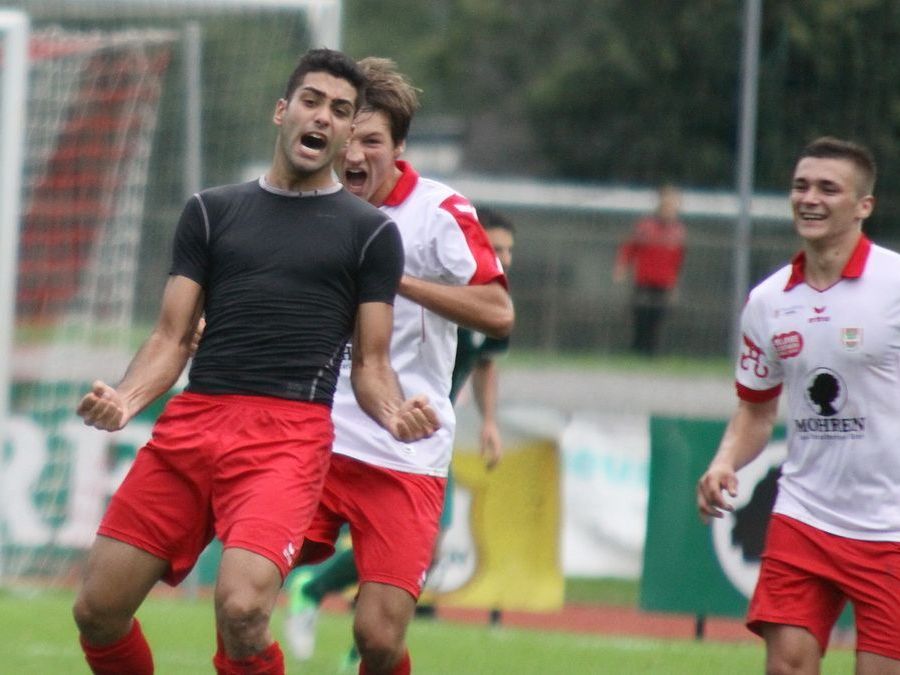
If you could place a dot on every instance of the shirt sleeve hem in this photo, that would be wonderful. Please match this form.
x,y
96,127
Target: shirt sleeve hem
x,y
756,395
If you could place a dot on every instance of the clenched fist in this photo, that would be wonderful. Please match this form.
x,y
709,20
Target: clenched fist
x,y
414,420
103,408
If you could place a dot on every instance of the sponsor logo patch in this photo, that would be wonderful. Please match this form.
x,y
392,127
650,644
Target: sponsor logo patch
x,y
788,345
851,338
826,392
826,396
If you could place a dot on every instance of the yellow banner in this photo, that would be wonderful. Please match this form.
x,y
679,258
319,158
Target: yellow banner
x,y
502,549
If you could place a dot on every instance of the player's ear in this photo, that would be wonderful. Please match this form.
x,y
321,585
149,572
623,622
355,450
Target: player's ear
x,y
278,115
865,206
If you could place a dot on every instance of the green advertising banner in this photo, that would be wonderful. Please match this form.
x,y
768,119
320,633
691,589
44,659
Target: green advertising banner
x,y
690,567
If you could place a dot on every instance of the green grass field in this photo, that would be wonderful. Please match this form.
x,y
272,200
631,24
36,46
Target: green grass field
x,y
37,637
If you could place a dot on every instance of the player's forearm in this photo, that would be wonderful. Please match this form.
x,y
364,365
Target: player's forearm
x,y
485,385
747,434
153,371
377,390
486,308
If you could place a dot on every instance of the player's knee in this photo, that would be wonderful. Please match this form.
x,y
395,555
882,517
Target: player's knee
x,y
99,623
793,663
242,620
790,650
239,614
87,618
380,644
378,658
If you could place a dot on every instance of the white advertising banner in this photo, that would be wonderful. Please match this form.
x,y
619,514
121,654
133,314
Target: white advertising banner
x,y
604,477
605,474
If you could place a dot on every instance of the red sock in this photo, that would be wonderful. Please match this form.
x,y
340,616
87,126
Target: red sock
x,y
403,667
270,661
220,653
129,655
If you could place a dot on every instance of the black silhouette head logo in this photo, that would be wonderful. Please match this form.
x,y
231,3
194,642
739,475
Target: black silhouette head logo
x,y
825,393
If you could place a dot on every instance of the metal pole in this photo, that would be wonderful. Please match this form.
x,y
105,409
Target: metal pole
x,y
192,176
746,160
324,20
192,50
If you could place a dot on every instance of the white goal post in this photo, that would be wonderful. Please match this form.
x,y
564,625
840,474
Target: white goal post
x,y
14,29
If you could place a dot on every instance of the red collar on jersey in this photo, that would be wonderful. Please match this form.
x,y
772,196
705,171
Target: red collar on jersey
x,y
404,186
852,270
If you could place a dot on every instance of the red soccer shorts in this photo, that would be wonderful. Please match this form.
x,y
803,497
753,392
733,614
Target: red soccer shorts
x,y
808,575
248,469
394,521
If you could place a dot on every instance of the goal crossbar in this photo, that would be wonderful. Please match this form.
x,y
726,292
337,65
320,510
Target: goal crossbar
x,y
324,15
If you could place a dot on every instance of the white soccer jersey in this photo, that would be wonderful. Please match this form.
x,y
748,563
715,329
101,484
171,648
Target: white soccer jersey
x,y
444,243
837,352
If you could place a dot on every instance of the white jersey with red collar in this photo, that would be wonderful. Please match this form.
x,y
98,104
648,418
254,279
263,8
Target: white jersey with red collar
x,y
837,352
444,243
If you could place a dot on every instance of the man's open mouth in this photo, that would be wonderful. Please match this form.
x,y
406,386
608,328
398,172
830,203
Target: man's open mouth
x,y
313,141
354,177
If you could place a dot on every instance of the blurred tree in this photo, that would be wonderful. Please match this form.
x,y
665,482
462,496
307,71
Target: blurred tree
x,y
832,67
640,92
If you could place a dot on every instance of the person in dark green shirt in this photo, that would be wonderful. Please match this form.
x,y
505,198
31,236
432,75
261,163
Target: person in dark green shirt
x,y
475,352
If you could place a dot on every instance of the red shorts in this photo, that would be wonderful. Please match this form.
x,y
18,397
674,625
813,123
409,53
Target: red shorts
x,y
394,521
808,575
248,469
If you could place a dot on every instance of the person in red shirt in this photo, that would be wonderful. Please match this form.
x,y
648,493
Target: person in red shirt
x,y
654,252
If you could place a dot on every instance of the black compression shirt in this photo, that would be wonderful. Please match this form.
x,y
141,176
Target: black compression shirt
x,y
282,275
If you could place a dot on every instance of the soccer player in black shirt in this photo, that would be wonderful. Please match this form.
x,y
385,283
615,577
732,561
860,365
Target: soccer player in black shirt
x,y
285,269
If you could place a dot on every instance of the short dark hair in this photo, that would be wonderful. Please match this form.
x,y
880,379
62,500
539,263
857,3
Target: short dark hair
x,y
829,147
494,220
390,91
328,61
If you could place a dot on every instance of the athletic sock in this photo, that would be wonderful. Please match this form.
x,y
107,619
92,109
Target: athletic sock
x,y
403,667
220,651
332,576
270,661
131,654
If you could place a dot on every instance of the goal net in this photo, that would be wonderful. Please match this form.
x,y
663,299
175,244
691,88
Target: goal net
x,y
92,113
126,116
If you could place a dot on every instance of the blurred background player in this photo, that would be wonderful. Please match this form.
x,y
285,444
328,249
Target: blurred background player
x,y
654,253
390,493
475,357
826,328
285,268
475,352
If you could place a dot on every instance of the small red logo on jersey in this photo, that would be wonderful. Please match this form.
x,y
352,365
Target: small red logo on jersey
x,y
820,316
788,345
752,359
